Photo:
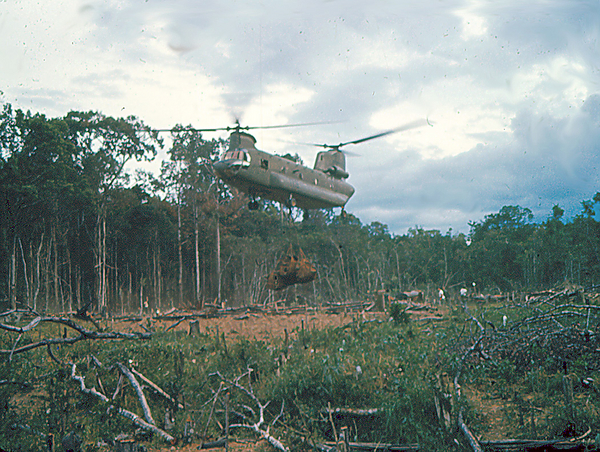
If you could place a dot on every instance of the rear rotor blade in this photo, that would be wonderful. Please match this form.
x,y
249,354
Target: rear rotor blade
x,y
410,125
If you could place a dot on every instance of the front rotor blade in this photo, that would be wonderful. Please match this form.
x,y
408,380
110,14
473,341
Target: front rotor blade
x,y
284,126
191,129
239,127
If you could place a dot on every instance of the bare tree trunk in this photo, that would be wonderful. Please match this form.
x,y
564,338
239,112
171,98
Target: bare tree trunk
x,y
141,296
31,276
179,246
342,267
203,273
69,278
78,272
46,273
446,279
155,270
102,262
78,283
197,255
244,290
398,270
130,292
25,278
55,272
99,263
159,276
217,226
38,274
104,267
13,275
113,294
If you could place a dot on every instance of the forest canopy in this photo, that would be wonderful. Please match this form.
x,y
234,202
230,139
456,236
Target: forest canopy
x,y
77,229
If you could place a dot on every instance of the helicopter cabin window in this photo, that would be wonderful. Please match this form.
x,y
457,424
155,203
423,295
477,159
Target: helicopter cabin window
x,y
264,163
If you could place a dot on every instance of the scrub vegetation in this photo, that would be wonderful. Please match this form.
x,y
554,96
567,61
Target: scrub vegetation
x,y
512,383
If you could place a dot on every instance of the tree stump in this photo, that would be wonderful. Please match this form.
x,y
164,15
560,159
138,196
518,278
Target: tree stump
x,y
344,441
568,390
194,327
126,445
71,442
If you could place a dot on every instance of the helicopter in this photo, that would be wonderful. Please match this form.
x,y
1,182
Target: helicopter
x,y
260,174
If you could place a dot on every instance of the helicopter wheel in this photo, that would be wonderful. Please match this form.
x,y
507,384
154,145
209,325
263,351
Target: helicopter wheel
x,y
290,202
253,205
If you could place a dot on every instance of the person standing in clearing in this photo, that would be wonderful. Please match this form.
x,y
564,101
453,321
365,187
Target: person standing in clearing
x,y
441,296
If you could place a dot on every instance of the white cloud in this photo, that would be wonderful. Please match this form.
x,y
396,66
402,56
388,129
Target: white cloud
x,y
473,25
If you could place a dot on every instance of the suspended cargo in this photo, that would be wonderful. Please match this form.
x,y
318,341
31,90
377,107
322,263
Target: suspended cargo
x,y
291,269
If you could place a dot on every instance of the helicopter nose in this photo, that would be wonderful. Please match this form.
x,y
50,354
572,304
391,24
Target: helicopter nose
x,y
226,168
220,167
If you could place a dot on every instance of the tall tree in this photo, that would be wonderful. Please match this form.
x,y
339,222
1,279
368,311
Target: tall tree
x,y
191,178
40,189
499,244
106,145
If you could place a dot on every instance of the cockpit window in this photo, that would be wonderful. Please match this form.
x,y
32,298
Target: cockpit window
x,y
237,154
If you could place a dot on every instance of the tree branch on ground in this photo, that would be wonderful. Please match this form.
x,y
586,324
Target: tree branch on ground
x,y
258,424
84,334
123,412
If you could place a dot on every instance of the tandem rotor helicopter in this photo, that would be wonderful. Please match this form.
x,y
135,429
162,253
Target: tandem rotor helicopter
x,y
260,174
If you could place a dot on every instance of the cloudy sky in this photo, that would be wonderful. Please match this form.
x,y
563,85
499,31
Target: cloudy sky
x,y
511,90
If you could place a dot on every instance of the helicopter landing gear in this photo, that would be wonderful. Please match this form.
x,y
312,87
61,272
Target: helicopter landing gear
x,y
253,204
290,202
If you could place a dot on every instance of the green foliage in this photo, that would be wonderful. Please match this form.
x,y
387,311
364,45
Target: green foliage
x,y
391,366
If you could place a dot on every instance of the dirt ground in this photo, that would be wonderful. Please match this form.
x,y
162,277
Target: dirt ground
x,y
234,446
253,325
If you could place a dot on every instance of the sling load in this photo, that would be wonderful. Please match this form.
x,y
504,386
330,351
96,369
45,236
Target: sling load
x,y
291,269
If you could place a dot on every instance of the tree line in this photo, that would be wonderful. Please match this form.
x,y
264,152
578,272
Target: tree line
x,y
78,229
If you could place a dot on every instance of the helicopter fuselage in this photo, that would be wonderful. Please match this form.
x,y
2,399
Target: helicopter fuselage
x,y
268,176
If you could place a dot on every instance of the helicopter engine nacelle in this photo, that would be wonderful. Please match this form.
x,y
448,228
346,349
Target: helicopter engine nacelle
x,y
337,172
333,163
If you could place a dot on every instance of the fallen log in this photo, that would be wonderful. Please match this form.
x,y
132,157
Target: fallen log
x,y
156,388
84,334
175,324
353,411
352,307
472,440
514,445
257,426
430,319
222,442
372,447
138,390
